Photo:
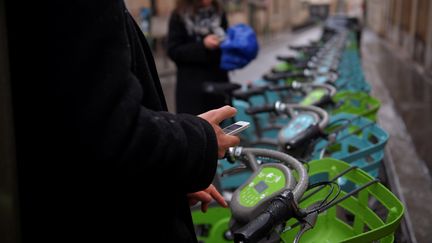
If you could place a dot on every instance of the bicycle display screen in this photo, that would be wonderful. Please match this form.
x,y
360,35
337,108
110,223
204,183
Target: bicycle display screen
x,y
261,186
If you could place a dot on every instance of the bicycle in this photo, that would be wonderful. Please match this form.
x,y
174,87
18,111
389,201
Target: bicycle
x,y
291,212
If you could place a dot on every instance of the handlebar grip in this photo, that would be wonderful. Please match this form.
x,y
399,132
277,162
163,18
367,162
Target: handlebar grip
x,y
298,47
279,211
260,109
289,59
246,94
276,76
301,65
256,229
220,87
304,48
281,87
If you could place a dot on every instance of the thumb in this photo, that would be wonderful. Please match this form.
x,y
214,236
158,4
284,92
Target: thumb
x,y
223,113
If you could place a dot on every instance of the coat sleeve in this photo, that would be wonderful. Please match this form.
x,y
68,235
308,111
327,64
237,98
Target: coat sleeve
x,y
99,103
184,146
183,50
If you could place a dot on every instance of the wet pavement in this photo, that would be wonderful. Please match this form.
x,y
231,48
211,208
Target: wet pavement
x,y
406,114
411,90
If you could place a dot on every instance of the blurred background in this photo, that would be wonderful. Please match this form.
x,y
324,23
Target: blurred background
x,y
396,50
269,18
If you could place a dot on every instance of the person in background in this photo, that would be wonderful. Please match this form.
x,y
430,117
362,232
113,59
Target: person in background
x,y
196,28
99,158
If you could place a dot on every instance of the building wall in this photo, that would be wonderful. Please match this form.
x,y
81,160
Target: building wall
x,y
330,6
298,12
376,20
421,30
405,24
266,16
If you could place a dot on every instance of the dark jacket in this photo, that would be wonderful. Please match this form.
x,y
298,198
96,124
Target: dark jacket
x,y
98,156
195,65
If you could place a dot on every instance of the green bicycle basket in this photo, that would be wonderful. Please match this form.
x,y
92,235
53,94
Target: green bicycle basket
x,y
212,226
357,103
373,215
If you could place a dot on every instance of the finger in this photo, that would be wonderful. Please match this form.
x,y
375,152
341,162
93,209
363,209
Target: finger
x,y
227,142
217,196
204,206
232,141
224,113
205,201
221,153
214,39
203,196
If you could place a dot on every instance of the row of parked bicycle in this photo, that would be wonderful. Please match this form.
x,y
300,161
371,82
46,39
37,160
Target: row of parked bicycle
x,y
307,167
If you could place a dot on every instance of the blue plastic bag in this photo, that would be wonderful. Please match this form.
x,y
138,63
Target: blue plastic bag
x,y
239,48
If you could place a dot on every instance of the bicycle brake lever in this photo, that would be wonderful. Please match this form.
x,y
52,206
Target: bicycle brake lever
x,y
232,154
234,170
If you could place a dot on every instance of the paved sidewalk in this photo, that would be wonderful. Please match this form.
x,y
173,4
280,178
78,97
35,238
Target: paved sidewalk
x,y
411,177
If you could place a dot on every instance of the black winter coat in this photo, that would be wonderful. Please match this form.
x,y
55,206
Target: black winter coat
x,y
195,65
99,158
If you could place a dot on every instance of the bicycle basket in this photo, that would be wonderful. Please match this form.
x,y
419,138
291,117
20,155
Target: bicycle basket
x,y
361,142
358,103
212,226
374,214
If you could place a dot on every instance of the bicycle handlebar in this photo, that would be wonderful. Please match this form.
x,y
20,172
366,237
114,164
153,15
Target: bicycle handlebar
x,y
219,87
282,87
332,90
274,77
321,112
260,109
288,59
246,94
280,107
281,208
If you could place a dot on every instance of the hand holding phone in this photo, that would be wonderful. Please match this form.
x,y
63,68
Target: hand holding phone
x,y
236,128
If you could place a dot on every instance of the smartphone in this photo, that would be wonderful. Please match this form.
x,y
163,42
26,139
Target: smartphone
x,y
235,128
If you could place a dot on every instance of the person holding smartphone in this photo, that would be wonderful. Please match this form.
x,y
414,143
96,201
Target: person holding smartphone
x,y
196,29
99,157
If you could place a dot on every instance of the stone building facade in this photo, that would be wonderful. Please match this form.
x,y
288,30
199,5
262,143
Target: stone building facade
x,y
406,24
266,16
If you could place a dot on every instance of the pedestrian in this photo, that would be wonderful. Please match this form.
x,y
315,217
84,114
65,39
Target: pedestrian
x,y
98,156
196,29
